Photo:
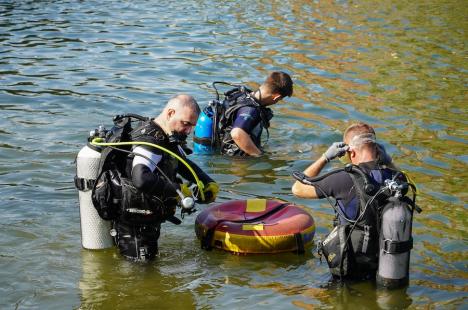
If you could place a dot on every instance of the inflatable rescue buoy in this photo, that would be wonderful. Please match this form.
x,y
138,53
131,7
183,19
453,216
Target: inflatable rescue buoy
x,y
255,226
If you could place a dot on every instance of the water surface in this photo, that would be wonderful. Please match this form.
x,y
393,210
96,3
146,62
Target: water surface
x,y
67,66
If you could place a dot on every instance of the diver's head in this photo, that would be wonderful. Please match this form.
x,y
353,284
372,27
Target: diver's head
x,y
179,115
277,85
360,137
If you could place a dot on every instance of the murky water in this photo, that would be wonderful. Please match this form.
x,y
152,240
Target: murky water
x,y
67,66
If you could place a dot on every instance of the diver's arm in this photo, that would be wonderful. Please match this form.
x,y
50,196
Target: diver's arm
x,y
308,191
146,176
244,142
147,181
186,174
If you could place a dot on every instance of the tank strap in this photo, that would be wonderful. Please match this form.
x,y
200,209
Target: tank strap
x,y
83,184
397,247
202,141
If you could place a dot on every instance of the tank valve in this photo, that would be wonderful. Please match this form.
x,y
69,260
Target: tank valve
x,y
395,188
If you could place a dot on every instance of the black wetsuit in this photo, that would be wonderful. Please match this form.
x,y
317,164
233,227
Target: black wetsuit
x,y
137,238
244,112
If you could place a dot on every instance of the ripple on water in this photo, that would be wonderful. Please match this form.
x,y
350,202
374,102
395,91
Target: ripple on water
x,y
69,68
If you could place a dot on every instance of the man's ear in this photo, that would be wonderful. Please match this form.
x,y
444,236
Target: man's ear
x,y
276,97
170,113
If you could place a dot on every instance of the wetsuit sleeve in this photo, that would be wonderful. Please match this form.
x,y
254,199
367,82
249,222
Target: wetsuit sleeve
x,y
186,174
145,176
247,118
337,185
145,157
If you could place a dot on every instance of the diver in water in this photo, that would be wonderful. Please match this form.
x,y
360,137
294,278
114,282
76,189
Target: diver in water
x,y
149,180
358,202
246,114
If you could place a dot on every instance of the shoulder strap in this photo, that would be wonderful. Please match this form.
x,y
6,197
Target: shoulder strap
x,y
149,132
368,215
120,132
359,187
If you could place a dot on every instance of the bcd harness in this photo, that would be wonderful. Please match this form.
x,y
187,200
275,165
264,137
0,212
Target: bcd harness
x,y
352,247
113,194
224,113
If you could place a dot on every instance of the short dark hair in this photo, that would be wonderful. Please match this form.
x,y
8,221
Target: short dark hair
x,y
279,82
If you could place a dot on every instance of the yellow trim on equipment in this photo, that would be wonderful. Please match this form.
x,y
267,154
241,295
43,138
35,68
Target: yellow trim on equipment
x,y
252,226
256,205
98,141
259,244
410,181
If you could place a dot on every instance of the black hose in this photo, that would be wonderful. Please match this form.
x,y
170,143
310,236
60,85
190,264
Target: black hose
x,y
139,117
301,177
350,168
224,83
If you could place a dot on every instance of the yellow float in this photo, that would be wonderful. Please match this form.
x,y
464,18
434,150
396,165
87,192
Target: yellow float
x,y
256,226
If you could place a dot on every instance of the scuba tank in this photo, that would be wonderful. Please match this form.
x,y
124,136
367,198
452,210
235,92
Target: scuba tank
x,y
206,136
203,136
395,238
95,232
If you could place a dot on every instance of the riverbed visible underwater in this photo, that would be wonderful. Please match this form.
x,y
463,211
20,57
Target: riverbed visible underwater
x,y
68,66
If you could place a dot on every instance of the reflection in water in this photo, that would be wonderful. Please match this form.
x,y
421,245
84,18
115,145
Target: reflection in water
x,y
110,282
342,296
64,69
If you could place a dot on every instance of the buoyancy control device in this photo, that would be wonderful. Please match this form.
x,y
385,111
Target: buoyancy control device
x,y
103,159
392,211
207,133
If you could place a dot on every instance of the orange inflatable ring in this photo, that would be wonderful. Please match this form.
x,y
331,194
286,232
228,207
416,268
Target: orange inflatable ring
x,y
256,226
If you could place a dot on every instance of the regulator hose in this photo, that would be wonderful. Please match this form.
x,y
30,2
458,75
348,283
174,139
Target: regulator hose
x,y
301,177
200,185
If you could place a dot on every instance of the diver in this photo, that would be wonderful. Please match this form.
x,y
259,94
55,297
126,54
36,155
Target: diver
x,y
358,205
150,183
238,121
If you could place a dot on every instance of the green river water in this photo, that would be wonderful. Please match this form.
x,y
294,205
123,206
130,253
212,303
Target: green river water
x,y
68,66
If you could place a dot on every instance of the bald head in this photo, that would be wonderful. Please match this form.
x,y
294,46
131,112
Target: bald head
x,y
183,101
179,115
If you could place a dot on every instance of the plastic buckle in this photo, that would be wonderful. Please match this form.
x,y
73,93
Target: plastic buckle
x,y
320,250
79,183
365,241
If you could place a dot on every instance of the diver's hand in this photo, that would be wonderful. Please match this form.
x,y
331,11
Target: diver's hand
x,y
337,149
210,192
186,190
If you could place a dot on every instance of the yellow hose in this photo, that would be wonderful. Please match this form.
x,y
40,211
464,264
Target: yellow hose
x,y
410,181
200,185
